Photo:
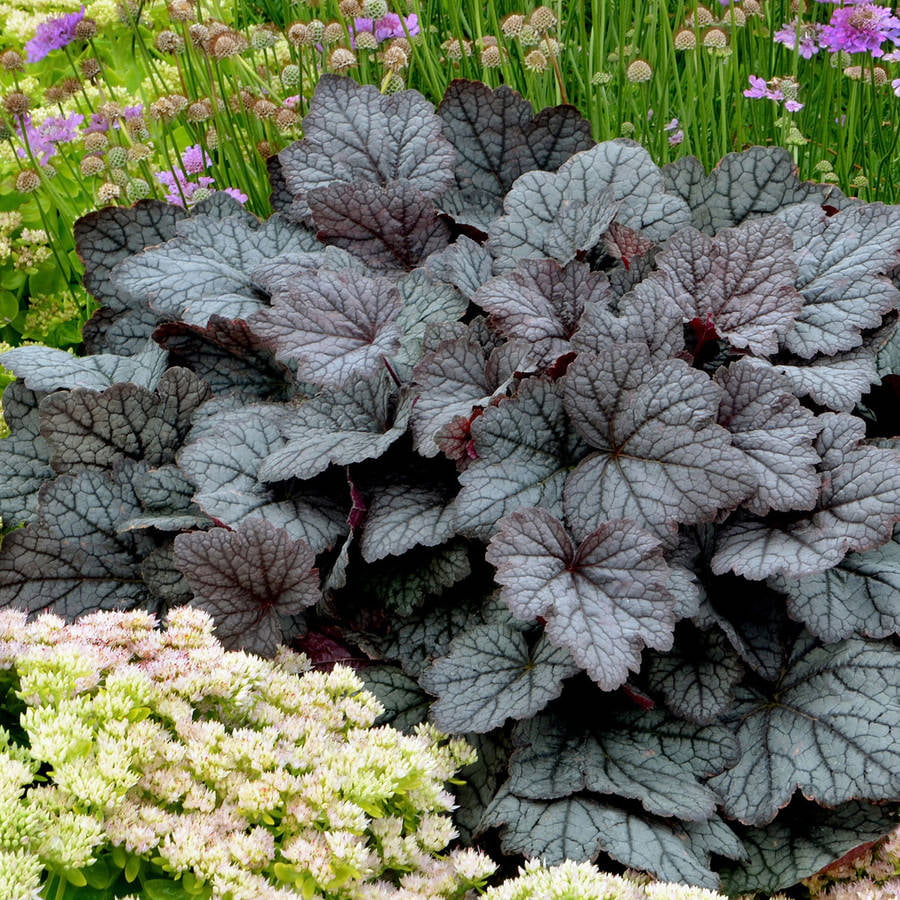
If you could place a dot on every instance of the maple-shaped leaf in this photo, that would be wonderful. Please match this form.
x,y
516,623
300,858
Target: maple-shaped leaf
x,y
825,728
541,301
841,273
73,560
490,674
604,599
579,827
247,579
660,458
391,226
165,495
338,428
741,282
860,595
48,369
629,246
558,214
166,584
856,511
756,182
465,263
798,845
228,356
223,462
354,132
775,432
124,333
91,428
405,704
524,449
646,756
24,456
336,325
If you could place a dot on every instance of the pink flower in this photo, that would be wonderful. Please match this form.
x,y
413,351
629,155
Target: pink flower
x,y
792,105
895,84
240,196
860,29
808,32
759,89
195,160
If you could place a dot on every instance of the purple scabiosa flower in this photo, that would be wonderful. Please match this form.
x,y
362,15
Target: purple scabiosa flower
x,y
676,135
389,26
895,84
240,196
43,138
54,34
792,105
808,32
759,89
195,160
861,29
177,184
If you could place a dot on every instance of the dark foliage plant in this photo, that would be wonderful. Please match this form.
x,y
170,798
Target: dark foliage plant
x,y
591,461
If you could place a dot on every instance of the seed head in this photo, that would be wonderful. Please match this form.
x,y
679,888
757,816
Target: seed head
x,y
350,9
201,193
227,44
111,111
752,8
54,94
551,46
454,49
199,35
137,189
290,76
182,11
117,156
265,149
316,30
491,57
162,110
395,58
169,42
685,39
715,38
119,177
91,165
535,61
600,78
137,128
529,36
198,111
90,68
85,30
212,138
511,25
543,19
138,152
96,142
264,109
107,192
334,32
736,15
298,34
5,131
375,9
487,40
263,36
859,181
11,61
393,83
403,44
365,40
340,59
639,71
285,118
27,181
627,129
17,104
702,17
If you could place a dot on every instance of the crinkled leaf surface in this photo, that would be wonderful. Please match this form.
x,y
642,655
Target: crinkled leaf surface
x,y
481,780
24,456
355,133
604,600
224,463
841,277
465,263
856,510
74,560
405,704
826,728
247,579
491,674
860,595
525,446
391,226
741,282
91,428
166,496
660,459
122,333
338,428
336,325
775,432
167,586
646,756
47,369
784,853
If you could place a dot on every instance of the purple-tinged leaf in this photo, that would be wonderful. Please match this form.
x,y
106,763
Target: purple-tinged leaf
x,y
604,600
338,428
860,595
856,511
627,245
646,756
165,582
525,447
661,459
47,369
541,302
91,428
490,674
464,263
392,226
123,333
775,432
224,463
841,275
355,133
825,728
741,282
247,580
336,325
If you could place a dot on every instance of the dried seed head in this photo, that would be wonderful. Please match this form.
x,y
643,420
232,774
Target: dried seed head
x,y
71,86
316,30
365,40
393,83
198,111
110,111
179,102
403,44
752,8
512,24
639,71
600,78
340,59
212,138
199,35
226,45
27,181
138,152
535,61
290,76
11,61
117,157
137,128
454,49
119,177
702,17
265,149
17,104
551,46
334,32
90,68
543,19
85,30
182,11
491,57
264,109
5,131
55,94
215,27
487,40
162,110
685,39
91,165
298,34
879,75
263,36
734,15
529,35
395,58
715,38
137,189
169,42
350,9
375,9
96,142
107,192
285,118
854,72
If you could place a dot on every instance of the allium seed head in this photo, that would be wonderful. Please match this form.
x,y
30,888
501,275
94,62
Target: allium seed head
x,y
227,44
752,8
543,19
107,192
334,32
702,17
11,61
529,36
285,118
736,15
199,35
137,128
340,59
119,177
162,110
27,181
535,61
454,49
639,71
685,39
491,57
350,9
139,152
91,165
264,109
198,111
375,9
169,42
715,38
290,76
17,104
263,36
512,24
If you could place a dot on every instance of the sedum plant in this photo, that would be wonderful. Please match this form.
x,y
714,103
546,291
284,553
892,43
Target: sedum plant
x,y
156,762
590,461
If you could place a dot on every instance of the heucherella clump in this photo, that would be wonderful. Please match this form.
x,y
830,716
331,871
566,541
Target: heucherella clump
x,y
131,755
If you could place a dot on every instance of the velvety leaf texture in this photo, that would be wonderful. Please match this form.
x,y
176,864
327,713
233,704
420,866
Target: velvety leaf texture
x,y
247,580
603,600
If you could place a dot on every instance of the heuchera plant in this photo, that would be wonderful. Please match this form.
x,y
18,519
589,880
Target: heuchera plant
x,y
593,462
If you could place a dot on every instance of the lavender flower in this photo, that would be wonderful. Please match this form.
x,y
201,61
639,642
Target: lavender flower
x,y
895,84
240,196
808,31
759,89
389,26
860,29
195,160
54,34
42,139
676,135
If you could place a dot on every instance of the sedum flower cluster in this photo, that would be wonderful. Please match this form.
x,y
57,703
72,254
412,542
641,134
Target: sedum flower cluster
x,y
870,873
157,754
